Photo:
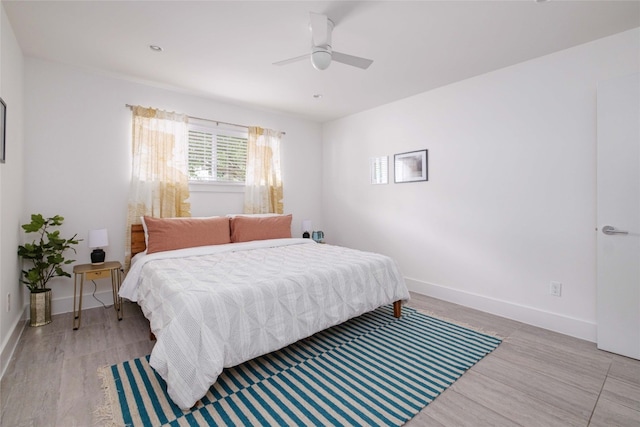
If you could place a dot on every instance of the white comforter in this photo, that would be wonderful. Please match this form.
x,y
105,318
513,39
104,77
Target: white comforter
x,y
218,306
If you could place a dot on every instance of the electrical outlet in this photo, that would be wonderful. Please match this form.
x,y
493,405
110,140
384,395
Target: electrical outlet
x,y
555,289
8,302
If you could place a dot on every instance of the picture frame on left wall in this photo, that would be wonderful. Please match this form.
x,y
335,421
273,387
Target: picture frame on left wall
x,y
3,131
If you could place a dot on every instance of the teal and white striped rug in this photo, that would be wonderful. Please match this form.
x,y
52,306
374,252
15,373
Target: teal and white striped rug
x,y
370,370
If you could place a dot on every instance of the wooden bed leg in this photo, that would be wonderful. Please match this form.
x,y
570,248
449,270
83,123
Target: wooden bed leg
x,y
397,309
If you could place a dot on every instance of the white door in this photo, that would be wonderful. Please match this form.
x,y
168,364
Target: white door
x,y
618,293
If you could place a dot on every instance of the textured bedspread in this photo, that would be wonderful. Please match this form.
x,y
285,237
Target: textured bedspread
x,y
211,311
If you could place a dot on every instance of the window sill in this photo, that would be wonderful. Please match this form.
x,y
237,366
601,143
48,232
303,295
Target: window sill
x,y
216,187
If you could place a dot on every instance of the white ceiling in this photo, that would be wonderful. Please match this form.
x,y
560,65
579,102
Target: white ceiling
x,y
225,50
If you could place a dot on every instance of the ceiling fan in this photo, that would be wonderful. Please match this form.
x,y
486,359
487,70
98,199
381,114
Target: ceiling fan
x,y
321,53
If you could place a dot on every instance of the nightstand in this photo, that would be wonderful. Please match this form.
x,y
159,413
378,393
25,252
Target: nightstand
x,y
110,269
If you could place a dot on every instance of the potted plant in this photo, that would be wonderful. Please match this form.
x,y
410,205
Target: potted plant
x,y
47,259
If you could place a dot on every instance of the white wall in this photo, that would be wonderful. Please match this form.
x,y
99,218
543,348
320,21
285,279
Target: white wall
x,y
77,156
11,191
510,204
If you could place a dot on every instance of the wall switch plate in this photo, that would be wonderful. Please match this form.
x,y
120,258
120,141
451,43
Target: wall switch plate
x,y
555,289
8,302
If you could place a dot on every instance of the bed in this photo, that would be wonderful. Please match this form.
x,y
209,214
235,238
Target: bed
x,y
252,291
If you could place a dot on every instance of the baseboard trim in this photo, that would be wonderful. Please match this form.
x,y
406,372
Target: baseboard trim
x,y
65,304
10,344
578,328
544,319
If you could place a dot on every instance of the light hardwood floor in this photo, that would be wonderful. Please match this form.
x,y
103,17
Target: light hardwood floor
x,y
534,378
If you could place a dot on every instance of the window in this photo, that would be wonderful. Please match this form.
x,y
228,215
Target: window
x,y
217,155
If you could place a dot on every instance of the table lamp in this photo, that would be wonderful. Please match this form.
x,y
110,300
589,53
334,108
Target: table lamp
x,y
98,239
306,228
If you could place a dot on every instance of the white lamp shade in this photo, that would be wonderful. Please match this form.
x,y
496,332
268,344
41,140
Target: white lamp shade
x,y
98,238
306,225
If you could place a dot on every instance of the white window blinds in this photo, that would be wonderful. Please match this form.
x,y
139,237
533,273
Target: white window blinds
x,y
217,155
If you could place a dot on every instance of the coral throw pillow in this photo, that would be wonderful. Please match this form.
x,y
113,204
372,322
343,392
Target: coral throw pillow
x,y
247,228
166,234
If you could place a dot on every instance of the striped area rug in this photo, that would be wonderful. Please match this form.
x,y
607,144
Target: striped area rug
x,y
370,370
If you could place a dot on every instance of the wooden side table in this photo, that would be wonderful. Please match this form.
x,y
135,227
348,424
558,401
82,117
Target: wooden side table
x,y
108,269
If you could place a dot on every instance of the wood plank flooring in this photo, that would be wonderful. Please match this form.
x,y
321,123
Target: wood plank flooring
x,y
534,378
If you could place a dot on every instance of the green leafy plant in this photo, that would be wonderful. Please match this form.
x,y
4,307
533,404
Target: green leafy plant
x,y
46,255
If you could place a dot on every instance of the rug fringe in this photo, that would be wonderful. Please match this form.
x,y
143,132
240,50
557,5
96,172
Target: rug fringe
x,y
459,323
104,414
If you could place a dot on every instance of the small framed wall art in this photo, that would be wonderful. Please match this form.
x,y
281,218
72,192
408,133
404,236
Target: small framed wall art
x,y
3,131
379,167
411,167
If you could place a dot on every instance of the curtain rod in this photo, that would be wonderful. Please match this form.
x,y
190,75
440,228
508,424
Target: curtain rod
x,y
207,120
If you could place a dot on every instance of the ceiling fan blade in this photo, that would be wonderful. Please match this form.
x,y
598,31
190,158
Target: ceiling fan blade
x,y
292,60
354,61
319,29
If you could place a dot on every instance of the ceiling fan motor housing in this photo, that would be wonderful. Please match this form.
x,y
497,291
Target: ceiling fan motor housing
x,y
321,43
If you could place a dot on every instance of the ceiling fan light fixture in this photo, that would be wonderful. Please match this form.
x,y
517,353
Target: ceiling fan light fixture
x,y
321,53
321,59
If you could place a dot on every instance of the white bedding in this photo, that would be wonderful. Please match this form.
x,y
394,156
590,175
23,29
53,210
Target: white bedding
x,y
218,306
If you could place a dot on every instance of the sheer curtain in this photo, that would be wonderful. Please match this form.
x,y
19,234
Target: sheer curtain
x,y
159,175
263,183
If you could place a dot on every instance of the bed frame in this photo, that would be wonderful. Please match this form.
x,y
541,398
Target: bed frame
x,y
138,245
137,239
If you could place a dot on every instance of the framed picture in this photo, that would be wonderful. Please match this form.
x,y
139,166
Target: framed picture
x,y
411,167
379,168
3,131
